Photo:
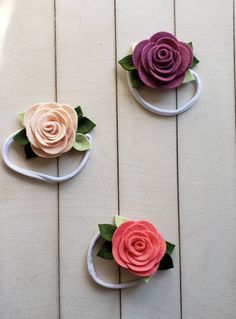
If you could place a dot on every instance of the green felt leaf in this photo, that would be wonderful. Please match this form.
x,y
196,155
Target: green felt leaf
x,y
105,250
127,63
21,137
85,125
169,248
190,44
147,279
79,111
81,143
166,263
21,116
135,79
120,220
107,231
29,153
188,77
195,62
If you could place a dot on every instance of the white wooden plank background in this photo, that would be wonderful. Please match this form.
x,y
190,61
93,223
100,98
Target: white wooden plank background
x,y
86,61
207,166
28,210
177,172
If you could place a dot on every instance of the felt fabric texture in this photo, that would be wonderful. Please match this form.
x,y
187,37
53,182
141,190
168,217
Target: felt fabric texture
x,y
138,247
51,128
162,61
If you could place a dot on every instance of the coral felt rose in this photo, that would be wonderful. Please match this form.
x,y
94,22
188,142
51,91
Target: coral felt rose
x,y
51,128
162,60
138,247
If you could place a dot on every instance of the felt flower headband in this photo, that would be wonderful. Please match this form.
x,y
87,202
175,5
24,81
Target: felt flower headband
x,y
136,246
162,61
50,130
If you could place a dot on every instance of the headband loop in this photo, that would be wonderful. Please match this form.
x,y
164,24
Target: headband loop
x,y
37,175
99,281
156,109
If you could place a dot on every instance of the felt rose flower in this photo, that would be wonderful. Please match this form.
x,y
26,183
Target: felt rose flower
x,y
138,247
50,128
162,61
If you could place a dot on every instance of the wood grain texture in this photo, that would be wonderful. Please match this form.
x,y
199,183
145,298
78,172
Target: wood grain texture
x,y
147,157
207,165
86,60
159,161
28,209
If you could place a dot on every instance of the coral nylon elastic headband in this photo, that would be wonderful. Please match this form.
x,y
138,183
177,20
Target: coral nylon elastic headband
x,y
157,110
38,175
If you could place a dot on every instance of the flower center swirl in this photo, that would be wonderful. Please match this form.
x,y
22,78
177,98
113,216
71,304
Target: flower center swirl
x,y
51,128
138,247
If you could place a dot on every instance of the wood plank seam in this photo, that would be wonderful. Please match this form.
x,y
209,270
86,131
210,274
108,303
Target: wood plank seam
x,y
58,171
117,138
177,181
234,53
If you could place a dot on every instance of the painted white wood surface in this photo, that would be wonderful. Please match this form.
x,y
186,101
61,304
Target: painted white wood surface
x,y
28,210
207,165
138,181
86,77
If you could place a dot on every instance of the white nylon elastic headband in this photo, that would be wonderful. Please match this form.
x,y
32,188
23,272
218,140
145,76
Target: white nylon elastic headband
x,y
38,175
93,274
156,109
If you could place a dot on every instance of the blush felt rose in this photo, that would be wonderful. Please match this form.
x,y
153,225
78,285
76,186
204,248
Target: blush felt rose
x,y
138,247
162,60
51,128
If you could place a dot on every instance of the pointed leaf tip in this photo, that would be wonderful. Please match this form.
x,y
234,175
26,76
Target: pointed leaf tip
x,y
107,231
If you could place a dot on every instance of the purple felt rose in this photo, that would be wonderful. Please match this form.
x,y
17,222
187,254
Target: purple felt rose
x,y
162,61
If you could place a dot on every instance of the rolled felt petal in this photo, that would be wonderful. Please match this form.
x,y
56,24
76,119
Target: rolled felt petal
x,y
137,52
51,128
138,247
162,34
162,60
